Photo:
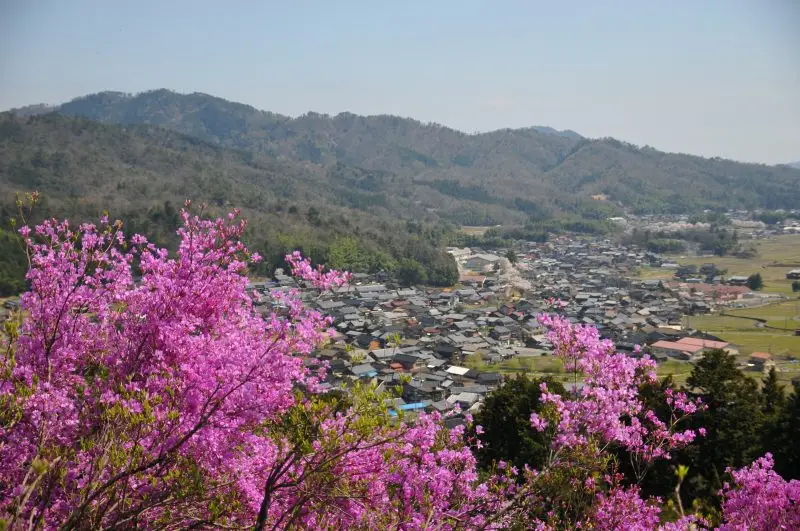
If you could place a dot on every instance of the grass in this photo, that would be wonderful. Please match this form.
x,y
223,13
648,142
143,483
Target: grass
x,y
782,251
748,337
655,273
679,370
784,314
776,256
540,365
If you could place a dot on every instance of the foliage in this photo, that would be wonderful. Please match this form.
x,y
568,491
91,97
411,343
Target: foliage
x,y
464,176
505,420
409,272
147,170
760,499
773,396
13,264
720,241
733,422
771,217
608,407
169,402
755,282
783,437
511,256
666,245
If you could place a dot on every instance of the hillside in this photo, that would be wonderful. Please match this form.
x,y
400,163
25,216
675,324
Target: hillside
x,y
549,171
142,173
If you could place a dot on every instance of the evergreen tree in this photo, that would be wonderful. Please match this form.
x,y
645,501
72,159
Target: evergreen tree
x,y
505,419
755,282
786,435
773,395
511,256
733,421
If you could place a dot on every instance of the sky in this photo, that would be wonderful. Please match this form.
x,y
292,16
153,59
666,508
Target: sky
x,y
708,77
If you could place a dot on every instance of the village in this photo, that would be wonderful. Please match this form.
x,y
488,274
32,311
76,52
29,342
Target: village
x,y
445,349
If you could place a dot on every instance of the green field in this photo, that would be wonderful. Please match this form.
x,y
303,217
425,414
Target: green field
x,y
539,366
543,366
748,337
776,256
780,250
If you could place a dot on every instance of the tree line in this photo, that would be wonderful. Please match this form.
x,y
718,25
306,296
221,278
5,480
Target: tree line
x,y
745,418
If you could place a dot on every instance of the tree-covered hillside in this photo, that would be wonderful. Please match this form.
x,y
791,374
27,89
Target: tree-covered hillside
x,y
555,170
143,174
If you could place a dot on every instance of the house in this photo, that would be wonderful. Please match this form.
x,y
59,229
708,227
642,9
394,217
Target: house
x,y
761,360
446,350
500,333
707,344
737,281
407,361
676,350
421,391
491,380
479,262
455,370
365,370
464,400
383,354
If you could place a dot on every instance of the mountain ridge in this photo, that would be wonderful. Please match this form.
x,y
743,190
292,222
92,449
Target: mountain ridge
x,y
141,174
543,170
116,97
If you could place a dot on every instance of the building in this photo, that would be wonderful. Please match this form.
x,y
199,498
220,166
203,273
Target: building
x,y
677,350
479,262
707,344
761,361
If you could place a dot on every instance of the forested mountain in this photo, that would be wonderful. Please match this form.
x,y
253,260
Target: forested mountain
x,y
142,174
363,193
545,171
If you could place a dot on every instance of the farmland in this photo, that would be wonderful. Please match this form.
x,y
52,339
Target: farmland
x,y
768,328
776,256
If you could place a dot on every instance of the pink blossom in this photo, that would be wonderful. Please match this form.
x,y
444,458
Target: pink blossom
x,y
760,500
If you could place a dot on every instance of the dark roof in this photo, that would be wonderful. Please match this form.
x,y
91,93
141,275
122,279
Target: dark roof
x,y
489,377
405,358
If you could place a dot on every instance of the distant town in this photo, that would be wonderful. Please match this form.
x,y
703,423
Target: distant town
x,y
446,348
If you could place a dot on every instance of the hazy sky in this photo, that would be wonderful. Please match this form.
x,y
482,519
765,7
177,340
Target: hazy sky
x,y
712,77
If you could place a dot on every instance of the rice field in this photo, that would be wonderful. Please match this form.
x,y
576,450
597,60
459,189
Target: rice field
x,y
776,256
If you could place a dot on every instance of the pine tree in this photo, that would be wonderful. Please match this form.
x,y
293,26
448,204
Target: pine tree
x,y
786,434
733,421
773,395
755,282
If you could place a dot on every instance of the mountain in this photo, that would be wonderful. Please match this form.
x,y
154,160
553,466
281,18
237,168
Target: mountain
x,y
504,176
365,193
794,164
567,133
140,173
